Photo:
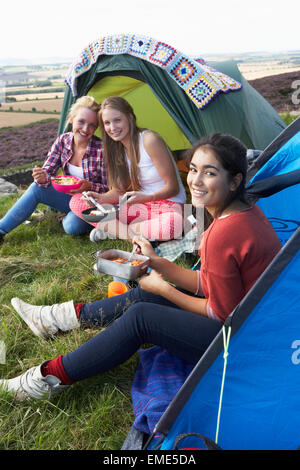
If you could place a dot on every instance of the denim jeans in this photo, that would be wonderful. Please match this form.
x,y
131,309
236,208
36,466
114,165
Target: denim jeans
x,y
131,320
28,202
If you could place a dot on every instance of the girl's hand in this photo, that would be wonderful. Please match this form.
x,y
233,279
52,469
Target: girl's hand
x,y
94,195
85,186
145,248
137,198
39,175
153,283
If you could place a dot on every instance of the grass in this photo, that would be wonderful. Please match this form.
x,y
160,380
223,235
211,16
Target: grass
x,y
42,265
288,118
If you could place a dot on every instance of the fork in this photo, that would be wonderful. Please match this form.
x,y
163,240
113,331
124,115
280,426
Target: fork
x,y
135,245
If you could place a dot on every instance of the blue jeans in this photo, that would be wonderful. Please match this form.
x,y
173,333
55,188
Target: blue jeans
x,y
131,320
28,202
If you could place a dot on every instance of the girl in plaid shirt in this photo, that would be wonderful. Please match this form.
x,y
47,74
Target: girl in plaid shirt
x,y
78,153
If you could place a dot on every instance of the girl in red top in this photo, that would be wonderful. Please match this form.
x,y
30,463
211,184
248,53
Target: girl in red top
x,y
235,249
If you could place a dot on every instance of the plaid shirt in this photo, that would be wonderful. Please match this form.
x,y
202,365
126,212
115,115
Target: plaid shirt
x,y
92,162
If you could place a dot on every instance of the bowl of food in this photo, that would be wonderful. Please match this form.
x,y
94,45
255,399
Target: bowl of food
x,y
122,264
65,184
95,215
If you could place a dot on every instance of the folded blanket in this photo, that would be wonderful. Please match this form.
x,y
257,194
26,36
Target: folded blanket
x,y
158,378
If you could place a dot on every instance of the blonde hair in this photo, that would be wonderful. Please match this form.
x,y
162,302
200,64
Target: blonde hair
x,y
84,102
115,155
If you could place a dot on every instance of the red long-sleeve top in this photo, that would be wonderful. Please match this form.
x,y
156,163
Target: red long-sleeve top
x,y
235,250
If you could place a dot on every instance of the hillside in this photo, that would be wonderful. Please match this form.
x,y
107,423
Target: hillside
x,y
32,143
26,144
277,89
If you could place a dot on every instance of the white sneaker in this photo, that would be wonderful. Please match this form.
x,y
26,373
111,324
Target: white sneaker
x,y
97,235
46,320
32,384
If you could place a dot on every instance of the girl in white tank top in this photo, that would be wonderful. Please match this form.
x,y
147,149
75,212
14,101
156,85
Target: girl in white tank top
x,y
150,180
140,165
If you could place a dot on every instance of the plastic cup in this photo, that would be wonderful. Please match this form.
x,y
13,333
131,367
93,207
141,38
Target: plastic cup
x,y
116,288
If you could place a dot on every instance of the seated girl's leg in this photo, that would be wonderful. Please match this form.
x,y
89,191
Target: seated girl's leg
x,y
158,220
77,206
183,333
74,225
166,221
28,202
167,226
105,311
112,228
47,320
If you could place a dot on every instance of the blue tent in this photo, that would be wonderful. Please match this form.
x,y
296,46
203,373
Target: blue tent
x,y
244,393
274,180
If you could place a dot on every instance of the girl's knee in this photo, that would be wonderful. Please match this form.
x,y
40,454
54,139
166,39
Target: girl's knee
x,y
133,313
77,205
72,225
163,228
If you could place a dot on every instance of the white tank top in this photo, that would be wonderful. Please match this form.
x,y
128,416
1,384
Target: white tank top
x,y
75,170
150,179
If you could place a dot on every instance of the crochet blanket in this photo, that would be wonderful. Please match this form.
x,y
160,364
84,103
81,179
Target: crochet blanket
x,y
158,378
199,81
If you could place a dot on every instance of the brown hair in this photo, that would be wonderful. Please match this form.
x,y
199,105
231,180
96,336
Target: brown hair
x,y
115,152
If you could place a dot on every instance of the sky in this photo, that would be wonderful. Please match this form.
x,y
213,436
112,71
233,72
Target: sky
x,y
57,28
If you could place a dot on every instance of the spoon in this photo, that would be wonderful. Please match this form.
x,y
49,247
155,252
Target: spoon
x,y
90,198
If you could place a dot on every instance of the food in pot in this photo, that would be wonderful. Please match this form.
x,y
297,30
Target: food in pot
x,y
118,260
65,180
98,212
136,262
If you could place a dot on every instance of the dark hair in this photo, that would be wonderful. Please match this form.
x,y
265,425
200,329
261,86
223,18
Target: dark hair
x,y
232,154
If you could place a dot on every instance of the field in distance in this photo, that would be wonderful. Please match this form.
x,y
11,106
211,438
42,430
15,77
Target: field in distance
x,y
37,104
31,93
266,69
35,93
262,64
22,119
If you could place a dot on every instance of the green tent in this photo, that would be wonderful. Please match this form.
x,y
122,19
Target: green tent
x,y
179,97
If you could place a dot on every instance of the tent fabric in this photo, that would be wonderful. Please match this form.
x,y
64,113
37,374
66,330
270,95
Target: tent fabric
x,y
243,113
141,98
272,148
286,159
277,182
259,406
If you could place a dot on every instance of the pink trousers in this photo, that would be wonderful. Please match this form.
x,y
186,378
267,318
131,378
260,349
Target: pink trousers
x,y
158,220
